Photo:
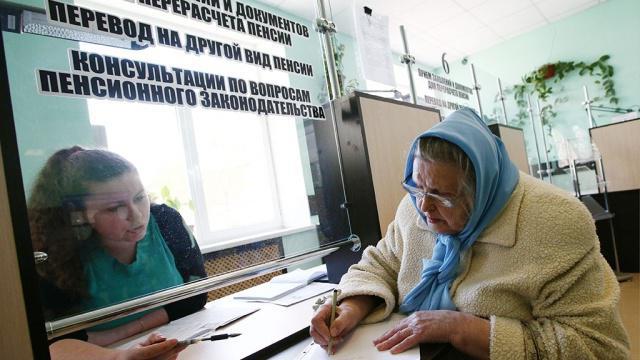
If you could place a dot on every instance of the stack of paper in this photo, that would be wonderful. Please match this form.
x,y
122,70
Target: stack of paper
x,y
268,291
302,276
282,285
304,293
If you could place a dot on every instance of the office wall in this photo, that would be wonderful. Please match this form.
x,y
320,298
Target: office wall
x,y
32,3
610,28
43,124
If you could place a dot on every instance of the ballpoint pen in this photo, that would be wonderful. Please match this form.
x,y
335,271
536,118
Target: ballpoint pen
x,y
210,338
334,300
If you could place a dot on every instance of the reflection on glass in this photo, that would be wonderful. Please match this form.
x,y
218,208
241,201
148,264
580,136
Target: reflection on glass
x,y
106,242
244,173
243,181
488,92
561,119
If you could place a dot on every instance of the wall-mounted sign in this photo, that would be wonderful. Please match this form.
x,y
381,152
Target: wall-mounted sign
x,y
445,64
444,93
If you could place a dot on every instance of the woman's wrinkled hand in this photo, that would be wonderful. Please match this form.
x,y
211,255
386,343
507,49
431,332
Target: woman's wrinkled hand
x,y
348,315
420,327
154,347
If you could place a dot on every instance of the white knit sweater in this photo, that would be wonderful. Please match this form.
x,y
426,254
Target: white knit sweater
x,y
536,272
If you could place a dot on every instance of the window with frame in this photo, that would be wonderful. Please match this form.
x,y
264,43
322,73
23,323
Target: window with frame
x,y
235,177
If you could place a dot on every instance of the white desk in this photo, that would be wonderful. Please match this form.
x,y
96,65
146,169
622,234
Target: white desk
x,y
274,332
268,326
426,351
293,351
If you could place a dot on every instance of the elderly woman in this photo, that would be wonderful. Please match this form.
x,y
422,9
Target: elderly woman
x,y
490,260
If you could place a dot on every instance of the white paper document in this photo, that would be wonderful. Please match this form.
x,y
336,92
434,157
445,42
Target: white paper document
x,y
309,291
301,276
268,291
282,285
198,324
359,345
372,33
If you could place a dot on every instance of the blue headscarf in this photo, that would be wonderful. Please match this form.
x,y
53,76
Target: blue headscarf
x,y
496,178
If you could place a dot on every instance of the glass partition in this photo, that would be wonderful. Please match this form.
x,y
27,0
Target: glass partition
x,y
446,92
489,95
371,58
563,122
363,51
446,82
150,134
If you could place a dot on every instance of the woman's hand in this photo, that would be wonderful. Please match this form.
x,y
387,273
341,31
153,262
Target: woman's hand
x,y
348,315
134,327
467,333
155,347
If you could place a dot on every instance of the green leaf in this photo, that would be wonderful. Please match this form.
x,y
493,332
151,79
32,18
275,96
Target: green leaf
x,y
603,68
604,58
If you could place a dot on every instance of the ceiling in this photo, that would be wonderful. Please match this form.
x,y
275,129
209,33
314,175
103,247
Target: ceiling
x,y
457,27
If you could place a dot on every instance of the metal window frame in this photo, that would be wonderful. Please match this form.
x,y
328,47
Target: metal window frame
x,y
82,321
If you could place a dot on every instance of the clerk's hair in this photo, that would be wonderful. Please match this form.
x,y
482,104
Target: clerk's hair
x,y
56,212
441,151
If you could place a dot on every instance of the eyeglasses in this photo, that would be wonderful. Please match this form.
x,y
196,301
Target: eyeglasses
x,y
443,201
